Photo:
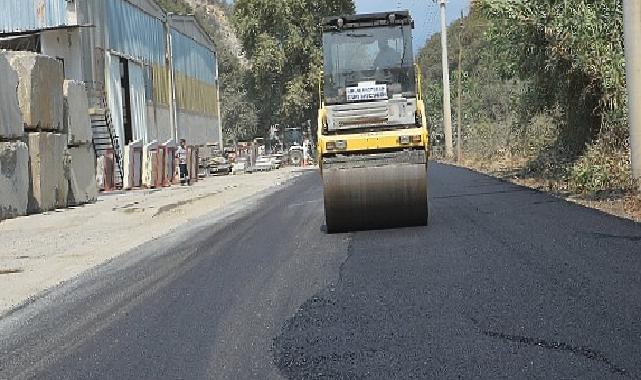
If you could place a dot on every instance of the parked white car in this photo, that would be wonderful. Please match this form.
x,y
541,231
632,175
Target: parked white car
x,y
263,163
277,161
238,168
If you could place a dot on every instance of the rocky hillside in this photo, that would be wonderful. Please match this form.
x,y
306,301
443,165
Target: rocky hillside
x,y
216,14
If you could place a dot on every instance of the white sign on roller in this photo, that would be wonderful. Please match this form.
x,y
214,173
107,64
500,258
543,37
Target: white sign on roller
x,y
367,91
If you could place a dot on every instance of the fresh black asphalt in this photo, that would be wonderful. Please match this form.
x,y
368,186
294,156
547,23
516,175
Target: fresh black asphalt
x,y
505,282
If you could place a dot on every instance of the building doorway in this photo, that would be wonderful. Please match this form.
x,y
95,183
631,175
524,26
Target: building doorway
x,y
126,100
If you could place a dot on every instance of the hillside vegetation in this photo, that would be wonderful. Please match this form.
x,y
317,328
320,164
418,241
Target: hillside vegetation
x,y
543,91
282,39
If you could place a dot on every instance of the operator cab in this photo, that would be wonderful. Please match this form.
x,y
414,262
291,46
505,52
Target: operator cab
x,y
368,48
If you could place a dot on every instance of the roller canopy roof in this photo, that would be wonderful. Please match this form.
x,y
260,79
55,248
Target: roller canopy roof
x,y
368,20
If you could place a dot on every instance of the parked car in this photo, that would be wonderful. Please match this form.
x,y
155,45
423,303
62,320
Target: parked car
x,y
219,165
296,155
263,164
277,160
239,167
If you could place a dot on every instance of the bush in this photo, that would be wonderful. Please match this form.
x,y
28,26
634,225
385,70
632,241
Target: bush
x,y
602,169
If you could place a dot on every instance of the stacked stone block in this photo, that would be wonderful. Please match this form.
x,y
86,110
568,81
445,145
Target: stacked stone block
x,y
14,155
40,101
57,165
81,156
39,90
83,187
11,123
48,163
14,179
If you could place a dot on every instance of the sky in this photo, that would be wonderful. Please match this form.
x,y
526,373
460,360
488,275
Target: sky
x,y
424,12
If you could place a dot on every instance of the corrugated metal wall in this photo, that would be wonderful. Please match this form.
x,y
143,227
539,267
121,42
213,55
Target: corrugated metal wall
x,y
135,33
160,84
193,59
195,67
28,15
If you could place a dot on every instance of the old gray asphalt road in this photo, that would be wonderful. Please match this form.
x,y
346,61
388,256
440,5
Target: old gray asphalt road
x,y
505,282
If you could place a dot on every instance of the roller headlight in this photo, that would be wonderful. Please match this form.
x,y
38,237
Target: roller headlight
x,y
336,145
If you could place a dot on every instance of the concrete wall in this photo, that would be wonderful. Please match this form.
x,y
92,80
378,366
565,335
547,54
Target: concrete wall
x,y
159,123
198,129
65,46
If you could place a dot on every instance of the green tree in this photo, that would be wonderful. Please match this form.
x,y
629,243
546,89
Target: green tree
x,y
571,51
572,55
543,88
487,96
282,38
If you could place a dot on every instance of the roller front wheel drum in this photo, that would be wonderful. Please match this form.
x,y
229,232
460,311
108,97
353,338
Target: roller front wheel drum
x,y
376,193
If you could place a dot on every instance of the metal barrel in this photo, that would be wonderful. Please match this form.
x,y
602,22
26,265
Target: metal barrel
x,y
381,191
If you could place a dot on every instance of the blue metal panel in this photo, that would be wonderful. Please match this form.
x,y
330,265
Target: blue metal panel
x,y
135,33
31,15
192,58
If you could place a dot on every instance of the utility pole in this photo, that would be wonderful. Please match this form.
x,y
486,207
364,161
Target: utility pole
x,y
460,91
632,33
447,107
171,85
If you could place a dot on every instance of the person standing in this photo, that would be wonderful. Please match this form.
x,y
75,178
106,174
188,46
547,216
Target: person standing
x,y
305,152
181,155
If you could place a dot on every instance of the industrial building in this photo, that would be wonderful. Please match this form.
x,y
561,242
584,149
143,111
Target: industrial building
x,y
150,76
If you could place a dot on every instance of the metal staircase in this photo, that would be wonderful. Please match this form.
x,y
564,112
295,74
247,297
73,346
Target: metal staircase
x,y
105,139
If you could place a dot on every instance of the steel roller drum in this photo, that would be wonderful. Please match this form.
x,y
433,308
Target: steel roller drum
x,y
375,193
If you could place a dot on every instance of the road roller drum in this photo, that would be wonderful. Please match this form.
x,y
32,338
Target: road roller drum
x,y
375,191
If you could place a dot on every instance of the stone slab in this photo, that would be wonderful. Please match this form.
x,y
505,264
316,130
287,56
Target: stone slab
x,y
11,124
40,97
170,165
14,179
83,187
48,163
150,165
100,172
132,170
76,121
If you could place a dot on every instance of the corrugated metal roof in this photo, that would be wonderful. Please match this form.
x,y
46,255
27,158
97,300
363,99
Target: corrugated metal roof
x,y
31,15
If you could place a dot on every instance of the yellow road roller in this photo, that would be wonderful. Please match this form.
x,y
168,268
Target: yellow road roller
x,y
372,130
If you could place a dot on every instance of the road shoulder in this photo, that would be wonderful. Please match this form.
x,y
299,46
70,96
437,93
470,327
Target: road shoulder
x,y
42,251
624,206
